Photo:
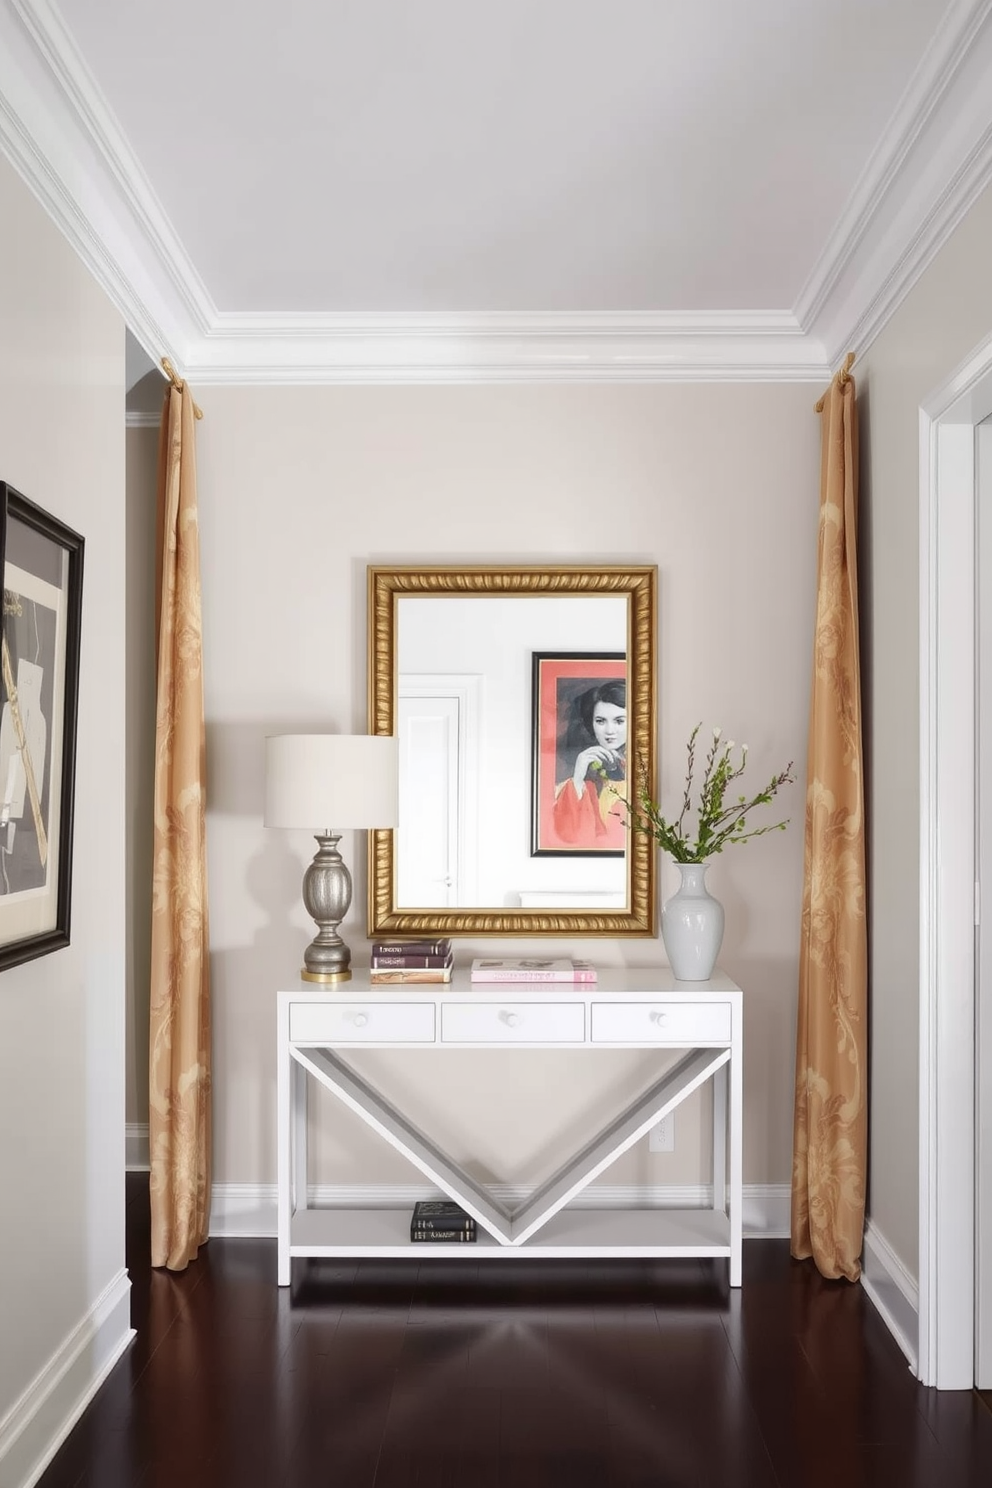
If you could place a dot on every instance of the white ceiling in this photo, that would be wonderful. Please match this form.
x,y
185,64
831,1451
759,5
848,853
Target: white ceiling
x,y
452,155
354,189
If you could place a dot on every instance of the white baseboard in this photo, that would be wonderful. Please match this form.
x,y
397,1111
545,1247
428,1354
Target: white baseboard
x,y
40,1420
136,1147
767,1211
893,1292
249,1210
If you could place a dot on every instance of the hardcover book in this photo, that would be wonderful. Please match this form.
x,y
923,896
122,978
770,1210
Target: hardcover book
x,y
412,959
441,946
396,975
532,969
440,1214
434,1237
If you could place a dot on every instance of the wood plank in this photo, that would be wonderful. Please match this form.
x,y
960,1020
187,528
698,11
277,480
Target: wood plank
x,y
399,1373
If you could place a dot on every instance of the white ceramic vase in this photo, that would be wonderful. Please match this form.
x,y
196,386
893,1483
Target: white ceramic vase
x,y
692,926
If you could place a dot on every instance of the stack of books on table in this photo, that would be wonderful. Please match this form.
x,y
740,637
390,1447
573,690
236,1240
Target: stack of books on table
x,y
411,961
437,1220
565,969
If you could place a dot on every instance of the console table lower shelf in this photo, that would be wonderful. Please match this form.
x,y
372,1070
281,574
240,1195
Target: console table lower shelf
x,y
701,1027
584,1233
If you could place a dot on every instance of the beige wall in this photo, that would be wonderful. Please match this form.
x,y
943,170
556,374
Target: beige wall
x,y
942,319
62,1016
300,489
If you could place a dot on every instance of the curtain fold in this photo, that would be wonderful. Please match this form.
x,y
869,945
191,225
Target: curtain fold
x,y
179,1036
830,1138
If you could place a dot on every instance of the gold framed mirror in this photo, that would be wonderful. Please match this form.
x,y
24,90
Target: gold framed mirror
x,y
524,701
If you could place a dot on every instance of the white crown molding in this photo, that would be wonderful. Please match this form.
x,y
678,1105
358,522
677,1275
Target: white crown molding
x,y
931,163
59,133
539,347
924,174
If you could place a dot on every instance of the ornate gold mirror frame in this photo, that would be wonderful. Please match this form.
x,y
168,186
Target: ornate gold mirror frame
x,y
386,586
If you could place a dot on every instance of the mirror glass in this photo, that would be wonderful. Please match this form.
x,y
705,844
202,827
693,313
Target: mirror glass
x,y
523,700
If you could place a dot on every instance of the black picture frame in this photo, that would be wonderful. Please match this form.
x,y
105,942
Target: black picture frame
x,y
42,564
560,680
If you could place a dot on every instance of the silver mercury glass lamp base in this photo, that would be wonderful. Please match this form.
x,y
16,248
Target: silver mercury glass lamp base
x,y
327,896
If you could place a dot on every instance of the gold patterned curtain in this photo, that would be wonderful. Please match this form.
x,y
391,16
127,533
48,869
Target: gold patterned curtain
x,y
830,1151
179,1044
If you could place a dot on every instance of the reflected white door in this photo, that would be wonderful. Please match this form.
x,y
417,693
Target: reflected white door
x,y
983,1030
427,835
439,720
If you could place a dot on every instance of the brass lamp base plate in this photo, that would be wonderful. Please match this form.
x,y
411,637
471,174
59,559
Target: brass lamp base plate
x,y
325,976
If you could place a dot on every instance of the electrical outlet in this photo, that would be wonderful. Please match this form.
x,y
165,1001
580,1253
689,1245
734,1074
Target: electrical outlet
x,y
661,1138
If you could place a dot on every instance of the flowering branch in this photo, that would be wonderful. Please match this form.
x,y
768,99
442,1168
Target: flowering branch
x,y
718,823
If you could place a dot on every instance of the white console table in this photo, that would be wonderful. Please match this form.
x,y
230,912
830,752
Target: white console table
x,y
643,1009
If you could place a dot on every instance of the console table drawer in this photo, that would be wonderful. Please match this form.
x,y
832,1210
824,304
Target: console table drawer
x,y
512,1022
661,1022
362,1022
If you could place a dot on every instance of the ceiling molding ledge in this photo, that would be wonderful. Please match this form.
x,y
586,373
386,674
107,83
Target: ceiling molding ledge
x,y
541,347
932,162
60,136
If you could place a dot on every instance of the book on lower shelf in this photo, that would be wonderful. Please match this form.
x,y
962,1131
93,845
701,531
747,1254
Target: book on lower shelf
x,y
439,1237
441,1220
565,969
440,1214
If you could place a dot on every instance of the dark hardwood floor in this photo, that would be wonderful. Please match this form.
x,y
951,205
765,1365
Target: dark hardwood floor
x,y
449,1374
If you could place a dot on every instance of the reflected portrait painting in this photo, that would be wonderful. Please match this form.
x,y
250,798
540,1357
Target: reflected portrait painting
x,y
579,754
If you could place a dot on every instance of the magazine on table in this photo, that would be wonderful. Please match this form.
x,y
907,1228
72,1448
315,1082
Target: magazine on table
x,y
565,969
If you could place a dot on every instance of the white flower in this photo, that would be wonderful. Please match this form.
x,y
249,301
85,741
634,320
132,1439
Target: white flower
x,y
718,825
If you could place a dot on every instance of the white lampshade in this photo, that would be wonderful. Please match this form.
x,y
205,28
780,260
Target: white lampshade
x,y
331,781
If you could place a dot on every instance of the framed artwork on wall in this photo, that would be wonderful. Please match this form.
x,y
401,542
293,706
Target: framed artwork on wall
x,y
578,754
42,562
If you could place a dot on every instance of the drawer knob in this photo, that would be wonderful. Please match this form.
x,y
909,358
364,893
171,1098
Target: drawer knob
x,y
657,1016
361,1019
512,1020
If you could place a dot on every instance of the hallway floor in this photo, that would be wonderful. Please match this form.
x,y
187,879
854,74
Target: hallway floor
x,y
449,1374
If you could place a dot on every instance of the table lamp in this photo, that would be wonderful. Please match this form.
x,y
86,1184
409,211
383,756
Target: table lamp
x,y
333,781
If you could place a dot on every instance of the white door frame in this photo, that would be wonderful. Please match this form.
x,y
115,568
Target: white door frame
x,y
983,970
948,891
